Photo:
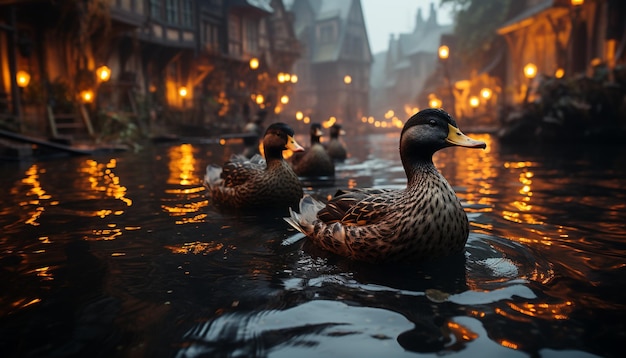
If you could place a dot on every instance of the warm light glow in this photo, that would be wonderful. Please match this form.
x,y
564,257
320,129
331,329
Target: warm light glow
x,y
306,120
183,92
559,73
281,77
254,63
530,71
259,99
103,73
294,78
23,78
299,115
486,93
347,79
329,123
474,101
577,2
86,96
435,102
287,77
444,52
284,99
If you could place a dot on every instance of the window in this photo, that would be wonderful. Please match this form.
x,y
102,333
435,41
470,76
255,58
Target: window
x,y
251,41
155,9
234,35
171,10
326,32
186,13
210,36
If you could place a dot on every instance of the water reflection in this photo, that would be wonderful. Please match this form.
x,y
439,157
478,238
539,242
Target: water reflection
x,y
127,256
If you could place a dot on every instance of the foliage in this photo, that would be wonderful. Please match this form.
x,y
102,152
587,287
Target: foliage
x,y
118,127
476,26
570,109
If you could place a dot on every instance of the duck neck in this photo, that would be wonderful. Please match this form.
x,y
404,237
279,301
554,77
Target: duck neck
x,y
416,170
314,139
273,155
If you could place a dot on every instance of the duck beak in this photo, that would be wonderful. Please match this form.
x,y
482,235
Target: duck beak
x,y
318,132
293,146
342,132
456,137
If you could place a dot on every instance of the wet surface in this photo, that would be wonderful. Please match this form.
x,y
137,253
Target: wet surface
x,y
125,255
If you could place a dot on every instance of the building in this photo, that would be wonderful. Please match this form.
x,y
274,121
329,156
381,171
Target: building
x,y
398,79
562,38
334,69
160,65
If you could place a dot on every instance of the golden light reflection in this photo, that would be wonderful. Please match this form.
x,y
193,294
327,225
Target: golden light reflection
x,y
522,205
103,179
182,165
549,311
196,248
461,332
35,195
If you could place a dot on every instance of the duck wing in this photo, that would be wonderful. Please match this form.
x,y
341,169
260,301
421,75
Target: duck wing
x,y
357,206
239,169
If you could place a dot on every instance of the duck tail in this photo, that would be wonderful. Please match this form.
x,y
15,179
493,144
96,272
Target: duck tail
x,y
212,178
303,221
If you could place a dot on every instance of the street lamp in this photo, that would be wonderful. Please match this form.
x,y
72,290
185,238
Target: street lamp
x,y
254,63
22,78
103,73
530,71
444,54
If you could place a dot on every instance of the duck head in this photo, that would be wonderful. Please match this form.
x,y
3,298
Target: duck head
x,y
316,132
428,131
279,137
336,131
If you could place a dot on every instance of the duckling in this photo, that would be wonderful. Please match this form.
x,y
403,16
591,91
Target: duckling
x,y
315,162
425,220
243,184
335,147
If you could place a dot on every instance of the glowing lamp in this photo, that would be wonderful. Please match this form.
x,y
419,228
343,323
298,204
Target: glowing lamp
x,y
486,93
183,92
294,79
86,96
530,70
559,73
254,63
347,79
474,101
103,73
299,115
577,2
284,99
22,78
259,99
444,52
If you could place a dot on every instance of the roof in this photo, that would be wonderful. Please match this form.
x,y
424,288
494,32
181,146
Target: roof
x,y
309,13
526,17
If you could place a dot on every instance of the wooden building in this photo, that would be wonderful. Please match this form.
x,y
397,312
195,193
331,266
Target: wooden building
x,y
157,63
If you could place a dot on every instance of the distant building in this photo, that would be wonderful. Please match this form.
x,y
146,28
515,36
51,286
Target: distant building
x,y
562,39
334,69
399,74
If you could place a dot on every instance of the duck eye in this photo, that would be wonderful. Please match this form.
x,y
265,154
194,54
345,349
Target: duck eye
x,y
432,123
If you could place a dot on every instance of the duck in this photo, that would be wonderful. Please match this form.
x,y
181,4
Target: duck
x,y
314,162
423,221
335,147
258,183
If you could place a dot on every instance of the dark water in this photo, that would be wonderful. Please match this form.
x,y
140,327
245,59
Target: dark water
x,y
123,255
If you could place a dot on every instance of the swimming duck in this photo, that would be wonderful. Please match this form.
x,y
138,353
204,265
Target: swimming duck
x,y
335,148
424,220
315,162
243,184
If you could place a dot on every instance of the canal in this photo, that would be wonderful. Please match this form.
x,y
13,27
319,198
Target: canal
x,y
122,254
